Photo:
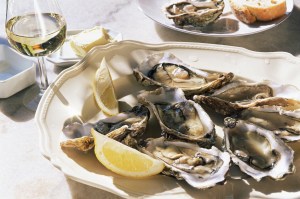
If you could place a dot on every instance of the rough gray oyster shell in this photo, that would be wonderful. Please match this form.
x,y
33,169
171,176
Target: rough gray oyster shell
x,y
277,108
179,117
164,69
125,127
194,12
201,168
257,151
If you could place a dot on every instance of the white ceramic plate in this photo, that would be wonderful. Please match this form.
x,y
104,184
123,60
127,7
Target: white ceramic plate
x,y
71,94
65,56
226,26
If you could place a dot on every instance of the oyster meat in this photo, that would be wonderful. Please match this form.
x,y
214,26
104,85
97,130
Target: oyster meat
x,y
284,123
194,12
235,97
179,117
239,95
125,127
201,168
257,151
164,69
268,105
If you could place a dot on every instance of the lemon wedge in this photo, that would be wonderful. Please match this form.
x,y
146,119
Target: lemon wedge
x,y
103,90
124,160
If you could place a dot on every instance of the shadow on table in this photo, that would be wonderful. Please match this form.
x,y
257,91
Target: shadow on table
x,y
3,41
82,191
284,37
163,186
14,108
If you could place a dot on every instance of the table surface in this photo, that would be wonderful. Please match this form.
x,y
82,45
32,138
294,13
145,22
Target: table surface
x,y
24,172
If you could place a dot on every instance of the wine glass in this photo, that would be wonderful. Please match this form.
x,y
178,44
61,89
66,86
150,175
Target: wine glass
x,y
35,28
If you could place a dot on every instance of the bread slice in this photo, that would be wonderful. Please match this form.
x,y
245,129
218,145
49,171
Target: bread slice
x,y
249,11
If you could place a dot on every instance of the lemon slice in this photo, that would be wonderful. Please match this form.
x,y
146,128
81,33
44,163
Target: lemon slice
x,y
104,90
124,160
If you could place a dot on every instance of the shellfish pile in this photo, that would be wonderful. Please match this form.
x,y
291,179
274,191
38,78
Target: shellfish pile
x,y
259,119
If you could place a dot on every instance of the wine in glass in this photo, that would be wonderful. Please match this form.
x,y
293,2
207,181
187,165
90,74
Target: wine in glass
x,y
35,28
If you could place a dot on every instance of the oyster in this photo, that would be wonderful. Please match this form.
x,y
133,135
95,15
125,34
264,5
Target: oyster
x,y
279,115
268,105
235,97
164,69
284,123
246,94
201,168
179,117
242,92
194,12
125,127
257,151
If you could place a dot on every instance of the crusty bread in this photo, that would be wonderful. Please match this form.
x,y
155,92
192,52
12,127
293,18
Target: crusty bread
x,y
249,11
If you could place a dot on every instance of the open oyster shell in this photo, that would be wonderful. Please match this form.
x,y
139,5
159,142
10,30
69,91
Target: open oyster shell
x,y
257,151
238,95
201,168
179,117
194,12
164,69
244,93
285,124
269,105
125,127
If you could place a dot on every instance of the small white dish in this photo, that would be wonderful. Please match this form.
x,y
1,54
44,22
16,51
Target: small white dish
x,y
65,56
16,72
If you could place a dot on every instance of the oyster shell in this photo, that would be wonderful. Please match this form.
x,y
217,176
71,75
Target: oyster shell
x,y
280,115
284,123
178,116
269,105
257,151
164,69
194,12
125,127
246,94
201,168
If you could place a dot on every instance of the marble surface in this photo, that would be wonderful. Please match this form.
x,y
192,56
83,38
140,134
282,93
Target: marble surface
x,y
24,172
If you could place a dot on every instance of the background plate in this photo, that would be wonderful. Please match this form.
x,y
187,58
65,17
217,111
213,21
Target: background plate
x,y
226,26
71,94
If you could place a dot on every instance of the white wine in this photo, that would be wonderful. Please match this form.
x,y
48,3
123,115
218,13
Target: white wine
x,y
36,34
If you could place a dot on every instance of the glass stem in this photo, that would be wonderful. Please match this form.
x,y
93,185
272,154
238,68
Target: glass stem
x,y
43,73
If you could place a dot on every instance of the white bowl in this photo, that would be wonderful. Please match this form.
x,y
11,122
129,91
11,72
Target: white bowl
x,y
16,72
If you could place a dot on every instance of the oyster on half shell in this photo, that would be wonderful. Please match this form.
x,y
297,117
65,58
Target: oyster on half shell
x,y
201,168
194,12
179,117
266,104
284,123
239,95
244,93
125,127
164,69
257,151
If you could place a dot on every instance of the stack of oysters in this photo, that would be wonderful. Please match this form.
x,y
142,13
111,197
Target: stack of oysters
x,y
259,119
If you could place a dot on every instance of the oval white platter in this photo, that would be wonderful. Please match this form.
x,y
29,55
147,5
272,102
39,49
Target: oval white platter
x,y
71,94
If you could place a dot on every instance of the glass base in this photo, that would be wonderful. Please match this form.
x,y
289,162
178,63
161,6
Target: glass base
x,y
33,97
